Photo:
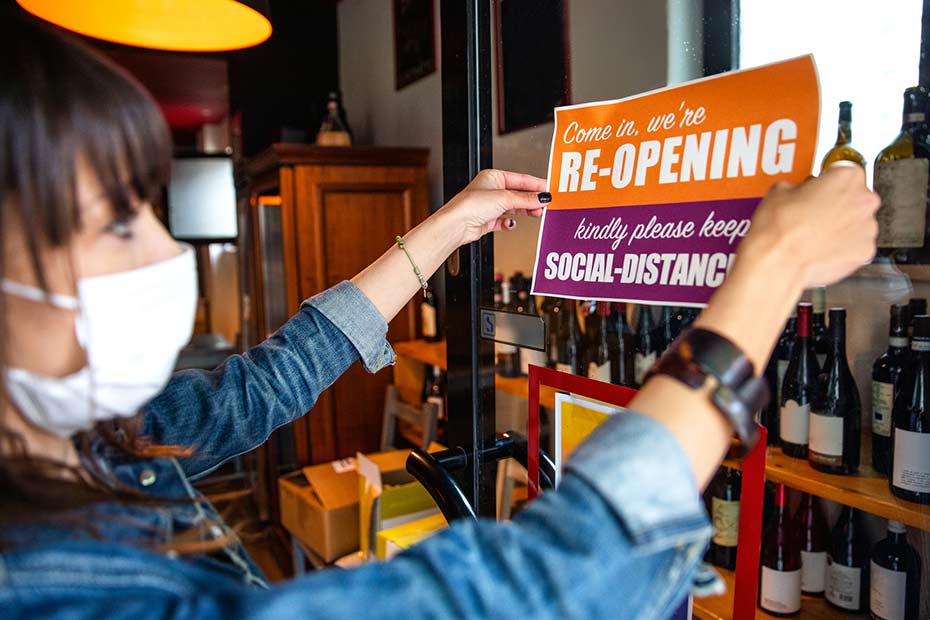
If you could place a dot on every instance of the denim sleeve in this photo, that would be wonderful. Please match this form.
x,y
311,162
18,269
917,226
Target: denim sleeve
x,y
234,408
619,539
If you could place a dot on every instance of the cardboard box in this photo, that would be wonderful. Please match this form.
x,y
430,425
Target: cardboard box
x,y
320,503
320,507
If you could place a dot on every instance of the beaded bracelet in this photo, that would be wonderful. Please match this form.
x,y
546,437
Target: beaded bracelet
x,y
416,270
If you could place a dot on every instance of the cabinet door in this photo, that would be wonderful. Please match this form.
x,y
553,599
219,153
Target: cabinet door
x,y
346,217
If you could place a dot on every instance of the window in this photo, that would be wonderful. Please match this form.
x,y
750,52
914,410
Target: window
x,y
867,52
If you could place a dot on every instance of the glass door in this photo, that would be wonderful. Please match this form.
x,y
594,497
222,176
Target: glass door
x,y
506,64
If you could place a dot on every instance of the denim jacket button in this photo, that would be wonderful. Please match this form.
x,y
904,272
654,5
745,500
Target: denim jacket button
x,y
147,478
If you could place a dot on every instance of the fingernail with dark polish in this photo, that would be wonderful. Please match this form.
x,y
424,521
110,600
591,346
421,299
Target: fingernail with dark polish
x,y
544,197
511,223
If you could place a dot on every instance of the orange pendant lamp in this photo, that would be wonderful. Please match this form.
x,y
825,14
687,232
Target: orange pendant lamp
x,y
178,25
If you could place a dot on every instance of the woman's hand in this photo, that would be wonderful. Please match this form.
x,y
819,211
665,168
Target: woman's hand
x,y
491,200
822,229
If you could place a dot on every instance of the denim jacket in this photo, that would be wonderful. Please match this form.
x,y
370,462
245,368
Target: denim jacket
x,y
619,539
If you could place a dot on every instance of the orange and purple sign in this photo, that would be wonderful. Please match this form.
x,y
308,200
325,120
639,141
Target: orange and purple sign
x,y
652,194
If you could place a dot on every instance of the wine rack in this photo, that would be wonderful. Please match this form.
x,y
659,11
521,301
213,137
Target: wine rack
x,y
867,490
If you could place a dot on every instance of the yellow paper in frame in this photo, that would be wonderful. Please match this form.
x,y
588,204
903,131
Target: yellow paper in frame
x,y
576,417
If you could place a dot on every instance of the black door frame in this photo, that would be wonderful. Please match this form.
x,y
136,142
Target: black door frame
x,y
466,139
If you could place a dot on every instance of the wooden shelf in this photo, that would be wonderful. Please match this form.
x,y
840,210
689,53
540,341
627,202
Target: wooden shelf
x,y
721,607
434,354
431,353
867,490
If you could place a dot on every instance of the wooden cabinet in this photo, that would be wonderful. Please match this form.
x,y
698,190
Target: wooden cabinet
x,y
317,216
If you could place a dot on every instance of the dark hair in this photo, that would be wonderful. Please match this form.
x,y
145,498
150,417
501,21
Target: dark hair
x,y
61,102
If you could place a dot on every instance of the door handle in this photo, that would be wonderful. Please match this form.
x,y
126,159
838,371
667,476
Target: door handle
x,y
433,471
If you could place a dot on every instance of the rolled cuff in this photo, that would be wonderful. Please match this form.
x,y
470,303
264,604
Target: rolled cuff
x,y
354,315
640,469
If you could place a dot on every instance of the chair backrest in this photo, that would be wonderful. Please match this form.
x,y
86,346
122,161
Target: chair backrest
x,y
423,417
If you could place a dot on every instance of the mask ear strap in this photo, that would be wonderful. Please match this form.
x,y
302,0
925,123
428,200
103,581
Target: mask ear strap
x,y
65,302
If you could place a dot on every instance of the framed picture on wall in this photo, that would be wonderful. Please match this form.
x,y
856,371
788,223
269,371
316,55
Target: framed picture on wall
x,y
532,61
414,41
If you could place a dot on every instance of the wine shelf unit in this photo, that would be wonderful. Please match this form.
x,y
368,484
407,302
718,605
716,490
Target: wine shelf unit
x,y
867,490
720,607
434,354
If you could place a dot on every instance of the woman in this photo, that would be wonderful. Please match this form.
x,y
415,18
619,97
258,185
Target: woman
x,y
98,517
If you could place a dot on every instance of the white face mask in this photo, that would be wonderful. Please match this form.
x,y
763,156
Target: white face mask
x,y
132,325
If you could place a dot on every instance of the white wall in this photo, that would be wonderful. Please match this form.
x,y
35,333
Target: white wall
x,y
377,113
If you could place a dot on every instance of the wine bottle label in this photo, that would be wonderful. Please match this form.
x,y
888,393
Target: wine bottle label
x,y
882,402
641,365
898,342
911,461
888,593
794,422
564,368
813,571
428,320
821,359
826,439
599,373
782,368
843,585
781,591
902,185
726,521
440,406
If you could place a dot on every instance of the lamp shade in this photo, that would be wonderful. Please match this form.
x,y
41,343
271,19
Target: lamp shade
x,y
179,25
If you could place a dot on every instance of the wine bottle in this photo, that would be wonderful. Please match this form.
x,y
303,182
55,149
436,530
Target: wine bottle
x,y
435,390
556,317
569,342
647,345
429,313
885,374
667,328
847,563
836,430
915,307
508,355
599,350
530,356
334,130
910,432
815,540
620,344
895,577
688,316
819,333
498,290
768,417
724,509
842,150
783,351
801,391
780,579
901,176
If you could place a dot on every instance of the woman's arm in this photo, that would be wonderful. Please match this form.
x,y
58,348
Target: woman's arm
x,y
484,206
804,236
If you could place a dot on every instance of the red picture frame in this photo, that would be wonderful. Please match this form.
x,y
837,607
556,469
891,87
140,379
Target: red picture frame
x,y
746,587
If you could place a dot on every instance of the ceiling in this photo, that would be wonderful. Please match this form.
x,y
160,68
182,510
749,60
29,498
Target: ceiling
x,y
191,89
